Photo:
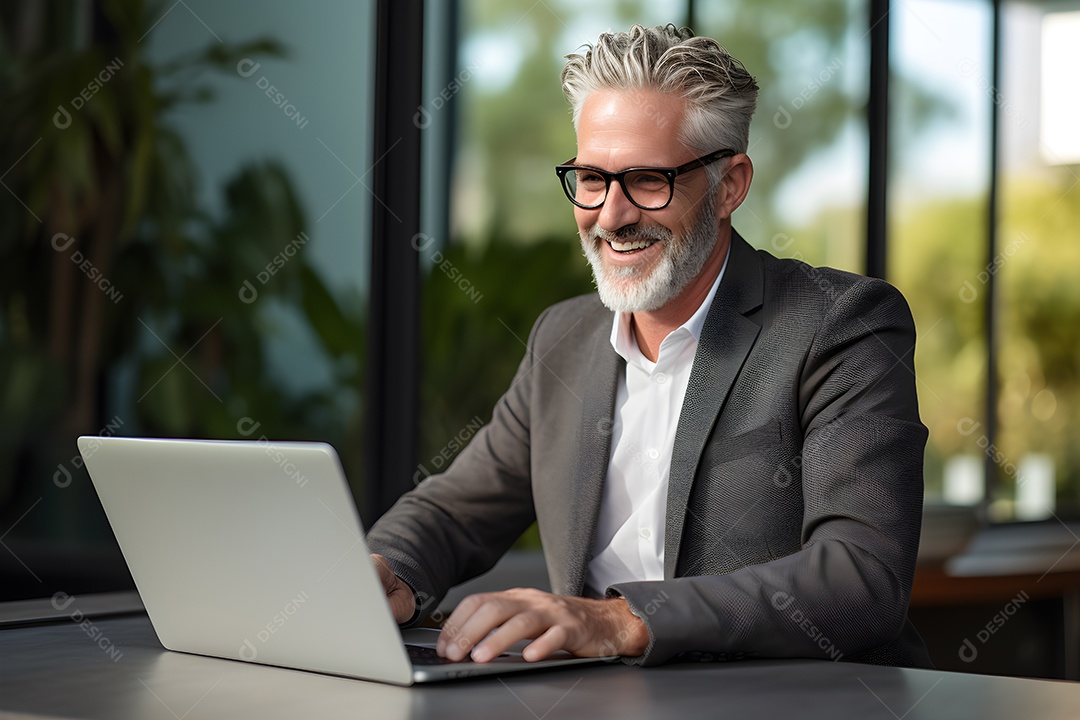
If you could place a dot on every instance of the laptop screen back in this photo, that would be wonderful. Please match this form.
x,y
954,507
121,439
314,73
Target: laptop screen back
x,y
250,551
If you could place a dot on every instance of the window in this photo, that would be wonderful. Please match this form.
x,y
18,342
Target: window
x,y
187,251
1020,460
1037,459
940,138
808,138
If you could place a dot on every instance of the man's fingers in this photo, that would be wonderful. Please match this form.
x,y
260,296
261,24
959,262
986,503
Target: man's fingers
x,y
402,605
386,575
523,625
465,633
450,626
451,629
542,647
398,593
488,624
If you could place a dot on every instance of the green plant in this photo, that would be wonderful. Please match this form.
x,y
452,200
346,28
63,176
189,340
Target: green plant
x,y
120,293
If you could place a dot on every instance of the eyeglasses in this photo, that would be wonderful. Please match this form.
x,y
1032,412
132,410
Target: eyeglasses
x,y
648,188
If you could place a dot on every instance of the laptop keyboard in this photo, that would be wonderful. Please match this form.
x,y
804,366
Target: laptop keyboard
x,y
420,655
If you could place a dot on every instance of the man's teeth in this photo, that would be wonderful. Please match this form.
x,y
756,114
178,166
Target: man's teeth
x,y
631,245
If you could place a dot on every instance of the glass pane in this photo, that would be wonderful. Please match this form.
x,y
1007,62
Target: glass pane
x,y
808,138
186,248
1038,252
939,136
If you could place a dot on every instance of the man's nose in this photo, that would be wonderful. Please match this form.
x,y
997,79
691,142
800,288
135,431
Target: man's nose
x,y
617,211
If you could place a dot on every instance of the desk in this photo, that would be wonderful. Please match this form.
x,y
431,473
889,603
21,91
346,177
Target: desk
x,y
115,669
1030,569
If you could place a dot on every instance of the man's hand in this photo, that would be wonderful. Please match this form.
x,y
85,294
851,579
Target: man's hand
x,y
584,627
401,596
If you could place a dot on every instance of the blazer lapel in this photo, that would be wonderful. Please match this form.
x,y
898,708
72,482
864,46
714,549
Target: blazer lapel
x,y
726,339
592,455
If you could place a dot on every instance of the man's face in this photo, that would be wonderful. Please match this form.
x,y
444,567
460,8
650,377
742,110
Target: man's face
x,y
642,259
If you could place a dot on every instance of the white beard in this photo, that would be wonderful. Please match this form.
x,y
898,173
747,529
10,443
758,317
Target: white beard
x,y
626,288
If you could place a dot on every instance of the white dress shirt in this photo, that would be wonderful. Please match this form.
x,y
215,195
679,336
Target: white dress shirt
x,y
629,540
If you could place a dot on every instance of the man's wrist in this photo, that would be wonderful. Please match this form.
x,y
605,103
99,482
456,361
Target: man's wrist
x,y
632,636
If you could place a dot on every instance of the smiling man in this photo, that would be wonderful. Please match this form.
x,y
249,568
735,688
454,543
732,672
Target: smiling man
x,y
722,449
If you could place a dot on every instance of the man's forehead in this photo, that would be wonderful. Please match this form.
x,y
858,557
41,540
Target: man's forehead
x,y
630,127
644,101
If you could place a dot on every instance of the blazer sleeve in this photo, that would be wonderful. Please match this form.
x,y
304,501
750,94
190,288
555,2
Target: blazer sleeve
x,y
846,591
455,525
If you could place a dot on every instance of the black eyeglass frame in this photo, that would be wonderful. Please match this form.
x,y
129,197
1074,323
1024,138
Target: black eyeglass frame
x,y
669,172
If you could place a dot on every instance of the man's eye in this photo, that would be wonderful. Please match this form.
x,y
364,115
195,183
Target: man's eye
x,y
590,179
648,181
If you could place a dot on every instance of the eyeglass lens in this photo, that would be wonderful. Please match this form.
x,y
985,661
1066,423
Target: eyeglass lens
x,y
645,188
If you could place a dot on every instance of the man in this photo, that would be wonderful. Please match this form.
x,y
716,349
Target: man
x,y
722,449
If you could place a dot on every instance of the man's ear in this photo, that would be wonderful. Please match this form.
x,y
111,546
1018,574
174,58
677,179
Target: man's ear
x,y
735,185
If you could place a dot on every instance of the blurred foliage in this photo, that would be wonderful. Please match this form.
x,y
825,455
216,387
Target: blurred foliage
x,y
935,247
471,349
1039,248
807,59
166,343
1038,325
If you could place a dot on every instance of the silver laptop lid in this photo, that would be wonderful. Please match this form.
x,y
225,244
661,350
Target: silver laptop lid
x,y
249,551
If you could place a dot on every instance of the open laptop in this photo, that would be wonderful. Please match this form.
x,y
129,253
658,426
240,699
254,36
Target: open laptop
x,y
254,551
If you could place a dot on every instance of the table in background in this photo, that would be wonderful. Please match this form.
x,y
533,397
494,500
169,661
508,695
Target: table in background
x,y
1009,594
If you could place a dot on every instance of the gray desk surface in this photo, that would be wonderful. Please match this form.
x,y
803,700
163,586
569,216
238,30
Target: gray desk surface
x,y
114,668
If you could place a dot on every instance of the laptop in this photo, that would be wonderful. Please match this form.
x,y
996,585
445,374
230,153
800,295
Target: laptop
x,y
253,551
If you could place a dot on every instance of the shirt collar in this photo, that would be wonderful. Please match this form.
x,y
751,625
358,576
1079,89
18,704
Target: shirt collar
x,y
622,336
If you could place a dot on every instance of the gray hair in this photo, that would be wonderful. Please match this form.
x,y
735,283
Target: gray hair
x,y
721,95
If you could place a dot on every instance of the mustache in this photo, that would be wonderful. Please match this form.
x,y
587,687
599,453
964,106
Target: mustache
x,y
630,232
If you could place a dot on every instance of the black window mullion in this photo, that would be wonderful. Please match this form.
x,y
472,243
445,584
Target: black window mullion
x,y
390,425
990,296
877,118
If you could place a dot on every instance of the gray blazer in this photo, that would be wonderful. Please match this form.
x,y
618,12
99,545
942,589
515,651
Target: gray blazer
x,y
795,492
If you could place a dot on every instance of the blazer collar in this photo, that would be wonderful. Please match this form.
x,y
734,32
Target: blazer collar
x,y
593,455
731,328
